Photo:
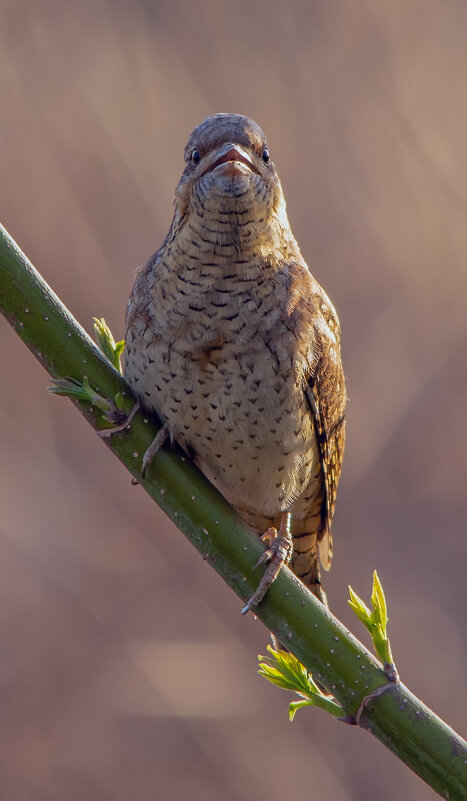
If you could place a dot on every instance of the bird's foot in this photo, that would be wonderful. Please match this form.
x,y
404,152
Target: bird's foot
x,y
162,435
278,553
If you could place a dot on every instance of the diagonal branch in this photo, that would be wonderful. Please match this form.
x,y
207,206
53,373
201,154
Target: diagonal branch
x,y
311,632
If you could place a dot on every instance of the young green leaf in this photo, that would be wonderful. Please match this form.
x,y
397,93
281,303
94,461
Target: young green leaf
x,y
376,622
80,390
284,670
112,410
360,609
111,349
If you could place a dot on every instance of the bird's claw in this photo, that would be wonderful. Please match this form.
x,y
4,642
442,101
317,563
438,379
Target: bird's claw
x,y
278,554
265,557
268,537
162,435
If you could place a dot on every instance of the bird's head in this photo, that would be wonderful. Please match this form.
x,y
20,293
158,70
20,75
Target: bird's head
x,y
228,170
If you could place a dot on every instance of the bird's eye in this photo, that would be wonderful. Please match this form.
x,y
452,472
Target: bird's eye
x,y
266,155
196,157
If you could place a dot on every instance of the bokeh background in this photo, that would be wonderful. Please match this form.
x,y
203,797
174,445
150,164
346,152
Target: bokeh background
x,y
126,669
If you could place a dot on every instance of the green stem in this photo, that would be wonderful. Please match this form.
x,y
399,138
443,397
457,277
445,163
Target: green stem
x,y
330,652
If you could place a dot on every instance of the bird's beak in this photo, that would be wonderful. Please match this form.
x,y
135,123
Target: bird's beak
x,y
232,160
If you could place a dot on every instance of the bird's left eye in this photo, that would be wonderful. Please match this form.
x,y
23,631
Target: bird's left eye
x,y
196,157
266,155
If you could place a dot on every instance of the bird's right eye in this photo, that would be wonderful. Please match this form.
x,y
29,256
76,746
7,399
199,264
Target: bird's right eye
x,y
196,157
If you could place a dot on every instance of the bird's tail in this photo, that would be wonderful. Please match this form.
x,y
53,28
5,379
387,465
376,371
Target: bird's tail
x,y
306,563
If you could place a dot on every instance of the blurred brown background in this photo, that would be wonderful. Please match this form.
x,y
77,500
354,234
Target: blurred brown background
x,y
126,669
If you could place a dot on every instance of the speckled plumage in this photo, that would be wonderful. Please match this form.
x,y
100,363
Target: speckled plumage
x,y
237,348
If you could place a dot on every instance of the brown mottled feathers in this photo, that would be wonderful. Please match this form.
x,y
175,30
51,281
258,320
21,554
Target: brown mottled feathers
x,y
328,406
236,347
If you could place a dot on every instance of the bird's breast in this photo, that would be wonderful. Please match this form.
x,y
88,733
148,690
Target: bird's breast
x,y
237,407
221,355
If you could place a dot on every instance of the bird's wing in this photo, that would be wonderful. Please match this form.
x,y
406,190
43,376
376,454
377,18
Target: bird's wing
x,y
325,392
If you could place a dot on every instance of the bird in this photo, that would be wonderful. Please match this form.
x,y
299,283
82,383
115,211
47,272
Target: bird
x,y
236,347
